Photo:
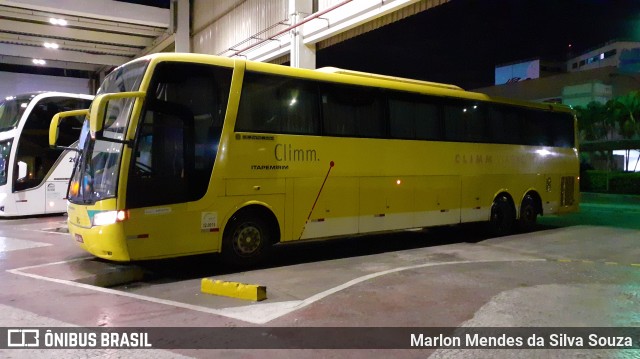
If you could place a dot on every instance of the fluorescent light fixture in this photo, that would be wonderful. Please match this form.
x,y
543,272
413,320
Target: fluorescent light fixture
x,y
51,45
59,22
39,62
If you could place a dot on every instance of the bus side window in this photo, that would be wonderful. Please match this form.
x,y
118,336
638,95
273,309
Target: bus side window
x,y
475,116
414,117
537,129
277,104
403,119
465,121
352,111
454,117
562,129
505,125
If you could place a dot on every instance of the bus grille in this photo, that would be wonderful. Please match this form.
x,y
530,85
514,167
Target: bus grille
x,y
567,191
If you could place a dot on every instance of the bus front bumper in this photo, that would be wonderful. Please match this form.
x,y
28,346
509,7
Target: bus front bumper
x,y
106,242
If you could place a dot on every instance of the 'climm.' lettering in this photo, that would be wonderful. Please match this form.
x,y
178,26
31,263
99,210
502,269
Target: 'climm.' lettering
x,y
473,158
286,152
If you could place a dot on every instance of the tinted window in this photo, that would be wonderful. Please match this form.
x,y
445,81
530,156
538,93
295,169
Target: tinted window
x,y
562,134
177,140
277,104
505,125
465,121
352,111
475,122
514,125
414,117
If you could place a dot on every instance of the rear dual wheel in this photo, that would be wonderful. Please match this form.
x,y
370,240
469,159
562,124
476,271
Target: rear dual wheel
x,y
503,216
528,214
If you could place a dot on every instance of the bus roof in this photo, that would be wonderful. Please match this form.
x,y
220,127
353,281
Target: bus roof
x,y
335,70
350,76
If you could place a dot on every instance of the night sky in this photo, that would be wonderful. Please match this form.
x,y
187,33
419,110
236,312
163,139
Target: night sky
x,y
462,41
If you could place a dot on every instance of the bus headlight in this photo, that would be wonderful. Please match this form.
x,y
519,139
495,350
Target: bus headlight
x,y
109,217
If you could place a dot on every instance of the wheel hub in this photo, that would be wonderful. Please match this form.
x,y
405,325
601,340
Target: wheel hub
x,y
247,240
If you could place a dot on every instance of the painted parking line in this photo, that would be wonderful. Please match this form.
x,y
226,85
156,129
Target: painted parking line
x,y
259,313
12,244
591,261
51,231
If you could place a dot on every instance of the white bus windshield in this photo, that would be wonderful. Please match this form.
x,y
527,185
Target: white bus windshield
x,y
11,110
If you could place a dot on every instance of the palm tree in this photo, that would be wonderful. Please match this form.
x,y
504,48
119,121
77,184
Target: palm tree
x,y
624,111
594,121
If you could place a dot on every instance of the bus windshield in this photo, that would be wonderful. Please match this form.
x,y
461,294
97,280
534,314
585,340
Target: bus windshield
x,y
96,172
11,109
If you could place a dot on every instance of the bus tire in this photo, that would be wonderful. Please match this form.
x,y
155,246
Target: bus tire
x,y
502,216
246,241
528,214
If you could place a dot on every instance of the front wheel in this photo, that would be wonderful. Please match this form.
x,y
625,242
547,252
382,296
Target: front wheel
x,y
246,240
502,216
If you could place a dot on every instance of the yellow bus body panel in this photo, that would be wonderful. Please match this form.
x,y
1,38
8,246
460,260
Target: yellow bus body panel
x,y
101,241
320,187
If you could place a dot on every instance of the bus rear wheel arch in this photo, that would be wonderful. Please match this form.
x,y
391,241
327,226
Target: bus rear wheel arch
x,y
503,215
530,208
249,235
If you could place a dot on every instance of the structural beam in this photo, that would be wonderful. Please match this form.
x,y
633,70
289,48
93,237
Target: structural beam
x,y
89,47
302,55
59,32
13,13
12,60
348,17
61,55
106,9
182,26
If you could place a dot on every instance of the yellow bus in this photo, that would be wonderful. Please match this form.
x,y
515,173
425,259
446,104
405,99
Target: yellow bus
x,y
191,153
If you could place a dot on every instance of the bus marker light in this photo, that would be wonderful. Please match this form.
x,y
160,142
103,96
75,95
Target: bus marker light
x,y
122,215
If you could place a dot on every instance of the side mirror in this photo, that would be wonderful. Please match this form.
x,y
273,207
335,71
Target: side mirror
x,y
55,122
100,108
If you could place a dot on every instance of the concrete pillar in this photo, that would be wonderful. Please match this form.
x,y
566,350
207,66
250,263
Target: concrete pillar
x,y
182,25
302,56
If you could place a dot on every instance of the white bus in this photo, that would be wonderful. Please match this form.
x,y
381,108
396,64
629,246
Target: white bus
x,y
33,176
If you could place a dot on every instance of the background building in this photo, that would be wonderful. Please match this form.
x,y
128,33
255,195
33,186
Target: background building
x,y
598,75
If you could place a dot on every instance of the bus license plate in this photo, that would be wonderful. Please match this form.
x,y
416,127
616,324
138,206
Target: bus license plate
x,y
79,238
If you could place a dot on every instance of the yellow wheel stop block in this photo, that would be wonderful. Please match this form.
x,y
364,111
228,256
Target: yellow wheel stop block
x,y
234,289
